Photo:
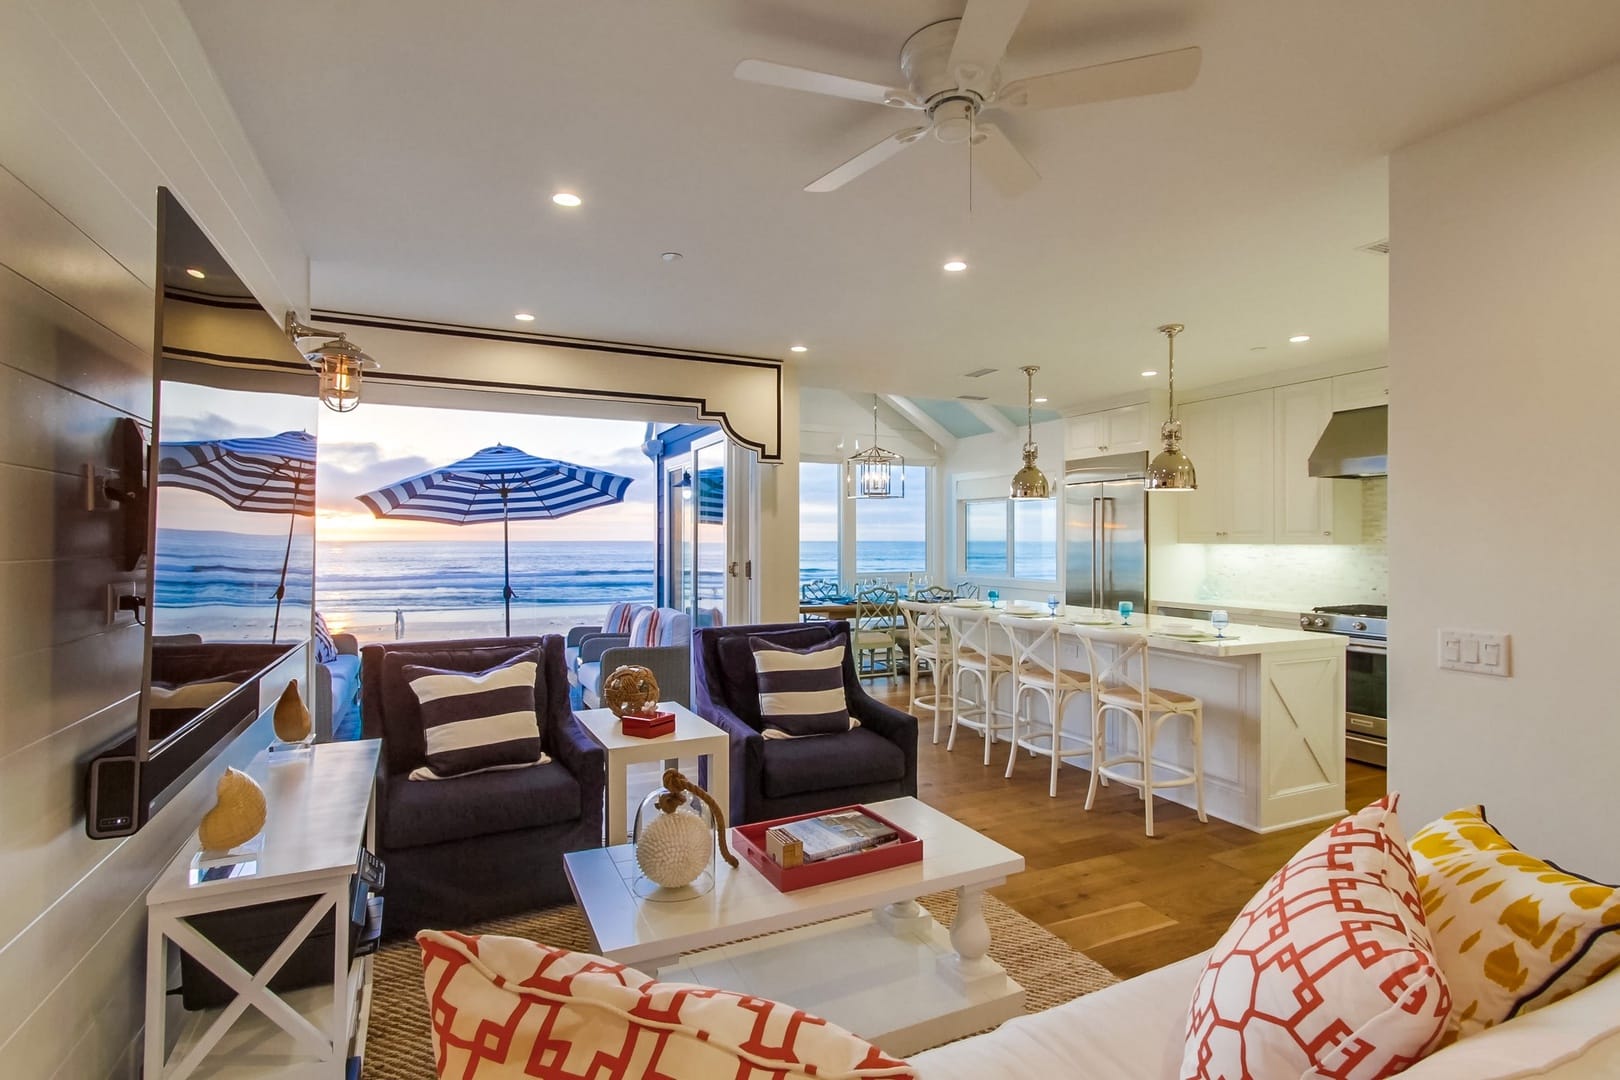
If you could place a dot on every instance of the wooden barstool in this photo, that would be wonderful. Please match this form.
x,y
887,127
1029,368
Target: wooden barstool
x,y
1039,672
928,642
1120,685
973,655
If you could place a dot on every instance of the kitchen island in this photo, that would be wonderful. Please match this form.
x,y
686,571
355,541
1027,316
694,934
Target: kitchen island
x,y
1273,718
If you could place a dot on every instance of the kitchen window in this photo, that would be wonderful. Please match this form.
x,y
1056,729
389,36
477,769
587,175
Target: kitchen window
x,y
1009,539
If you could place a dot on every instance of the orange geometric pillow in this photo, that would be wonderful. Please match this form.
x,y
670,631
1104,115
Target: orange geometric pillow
x,y
507,1008
1328,971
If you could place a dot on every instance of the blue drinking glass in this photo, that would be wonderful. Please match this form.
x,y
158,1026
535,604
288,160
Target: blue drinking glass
x,y
1125,609
1052,604
992,596
1220,620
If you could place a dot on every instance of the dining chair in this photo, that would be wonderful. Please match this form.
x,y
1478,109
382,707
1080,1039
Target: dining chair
x,y
1039,672
877,620
929,644
1120,686
974,656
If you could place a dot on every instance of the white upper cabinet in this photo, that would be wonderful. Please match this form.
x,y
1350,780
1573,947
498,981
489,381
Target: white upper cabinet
x,y
1360,389
1310,510
1230,442
1124,430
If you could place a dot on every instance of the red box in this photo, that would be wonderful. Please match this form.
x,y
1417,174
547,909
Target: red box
x,y
647,727
749,840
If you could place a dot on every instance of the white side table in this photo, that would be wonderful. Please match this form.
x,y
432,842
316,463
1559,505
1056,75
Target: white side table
x,y
320,813
693,735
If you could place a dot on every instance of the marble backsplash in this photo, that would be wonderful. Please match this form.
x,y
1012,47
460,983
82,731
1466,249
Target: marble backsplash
x,y
1304,575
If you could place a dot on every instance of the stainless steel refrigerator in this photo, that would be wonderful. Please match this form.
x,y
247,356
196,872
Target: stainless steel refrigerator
x,y
1105,531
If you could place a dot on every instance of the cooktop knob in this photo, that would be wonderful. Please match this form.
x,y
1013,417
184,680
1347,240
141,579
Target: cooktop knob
x,y
1319,621
1358,625
1305,620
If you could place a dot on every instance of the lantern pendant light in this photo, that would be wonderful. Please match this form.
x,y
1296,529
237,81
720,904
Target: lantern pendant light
x,y
1172,470
875,473
340,362
1029,482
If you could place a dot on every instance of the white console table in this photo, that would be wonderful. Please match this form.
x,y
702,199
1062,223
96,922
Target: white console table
x,y
320,813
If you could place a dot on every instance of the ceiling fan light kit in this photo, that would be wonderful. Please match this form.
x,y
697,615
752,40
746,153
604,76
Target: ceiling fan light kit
x,y
1172,470
952,74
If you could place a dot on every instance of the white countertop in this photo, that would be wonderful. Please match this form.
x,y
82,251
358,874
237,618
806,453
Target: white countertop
x,y
1241,639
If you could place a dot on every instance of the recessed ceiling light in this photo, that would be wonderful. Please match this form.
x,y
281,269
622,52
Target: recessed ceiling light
x,y
566,198
955,266
1040,401
196,273
1300,339
1149,374
670,256
523,316
798,348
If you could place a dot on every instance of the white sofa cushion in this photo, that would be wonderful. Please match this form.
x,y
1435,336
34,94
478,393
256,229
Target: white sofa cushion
x,y
1133,1029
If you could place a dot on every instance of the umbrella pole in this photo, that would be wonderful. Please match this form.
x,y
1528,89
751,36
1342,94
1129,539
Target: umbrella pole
x,y
506,556
281,586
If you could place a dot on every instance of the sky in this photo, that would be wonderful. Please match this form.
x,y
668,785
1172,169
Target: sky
x,y
377,445
821,488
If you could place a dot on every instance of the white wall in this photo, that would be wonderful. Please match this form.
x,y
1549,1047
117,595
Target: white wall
x,y
995,457
99,105
1503,507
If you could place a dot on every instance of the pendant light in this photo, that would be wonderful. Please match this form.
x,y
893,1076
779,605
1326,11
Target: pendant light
x,y
875,473
341,364
1029,482
1172,470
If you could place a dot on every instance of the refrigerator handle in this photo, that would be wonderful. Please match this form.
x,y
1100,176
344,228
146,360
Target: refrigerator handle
x,y
1103,565
1096,551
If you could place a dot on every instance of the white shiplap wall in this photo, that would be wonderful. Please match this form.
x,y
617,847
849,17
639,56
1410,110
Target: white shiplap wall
x,y
101,101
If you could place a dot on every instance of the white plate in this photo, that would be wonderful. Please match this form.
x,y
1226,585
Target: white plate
x,y
968,603
1089,621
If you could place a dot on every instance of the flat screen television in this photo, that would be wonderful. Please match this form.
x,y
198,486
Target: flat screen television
x,y
230,530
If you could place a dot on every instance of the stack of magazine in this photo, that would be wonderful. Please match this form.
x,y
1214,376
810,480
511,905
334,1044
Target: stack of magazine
x,y
828,836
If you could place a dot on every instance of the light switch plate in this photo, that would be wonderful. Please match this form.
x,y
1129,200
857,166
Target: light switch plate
x,y
1479,651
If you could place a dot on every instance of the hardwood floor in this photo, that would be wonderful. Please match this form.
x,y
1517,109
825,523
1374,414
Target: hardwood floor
x,y
1131,902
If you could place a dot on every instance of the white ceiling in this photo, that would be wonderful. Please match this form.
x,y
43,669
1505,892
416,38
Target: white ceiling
x,y
415,145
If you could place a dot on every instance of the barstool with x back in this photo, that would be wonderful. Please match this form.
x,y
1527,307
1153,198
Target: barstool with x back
x,y
1038,671
929,643
974,655
1120,686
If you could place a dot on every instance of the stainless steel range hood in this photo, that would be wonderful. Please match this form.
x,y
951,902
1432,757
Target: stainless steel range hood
x,y
1355,443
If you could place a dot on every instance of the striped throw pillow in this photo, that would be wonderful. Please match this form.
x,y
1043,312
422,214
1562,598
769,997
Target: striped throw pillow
x,y
326,649
801,691
477,721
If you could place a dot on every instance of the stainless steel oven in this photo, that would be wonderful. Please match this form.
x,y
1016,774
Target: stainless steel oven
x,y
1366,675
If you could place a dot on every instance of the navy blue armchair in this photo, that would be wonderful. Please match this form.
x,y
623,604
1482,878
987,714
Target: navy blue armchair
x,y
490,844
772,778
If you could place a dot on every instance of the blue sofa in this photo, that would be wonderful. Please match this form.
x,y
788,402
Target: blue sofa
x,y
772,778
490,844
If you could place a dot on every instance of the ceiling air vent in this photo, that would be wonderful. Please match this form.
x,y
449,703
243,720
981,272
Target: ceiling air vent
x,y
1377,247
980,373
971,397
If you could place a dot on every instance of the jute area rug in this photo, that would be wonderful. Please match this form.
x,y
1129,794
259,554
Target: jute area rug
x,y
399,1046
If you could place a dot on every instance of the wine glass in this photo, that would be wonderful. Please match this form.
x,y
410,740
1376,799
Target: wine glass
x,y
1125,609
992,596
1220,620
1052,604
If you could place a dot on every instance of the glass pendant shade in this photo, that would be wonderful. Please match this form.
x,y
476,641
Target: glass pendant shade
x,y
1172,470
340,362
875,473
1029,482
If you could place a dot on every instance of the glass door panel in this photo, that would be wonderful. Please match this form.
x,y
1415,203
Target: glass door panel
x,y
709,525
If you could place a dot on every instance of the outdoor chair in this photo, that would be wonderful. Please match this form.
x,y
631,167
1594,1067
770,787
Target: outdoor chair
x,y
337,692
488,844
616,624
660,639
772,778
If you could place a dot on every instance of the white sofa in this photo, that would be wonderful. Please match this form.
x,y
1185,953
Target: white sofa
x,y
1135,1029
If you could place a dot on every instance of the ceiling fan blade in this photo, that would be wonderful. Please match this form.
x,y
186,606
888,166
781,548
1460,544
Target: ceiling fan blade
x,y
981,40
1008,169
870,158
820,82
1157,73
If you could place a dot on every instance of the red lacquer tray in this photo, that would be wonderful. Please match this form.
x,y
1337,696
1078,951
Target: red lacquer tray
x,y
749,840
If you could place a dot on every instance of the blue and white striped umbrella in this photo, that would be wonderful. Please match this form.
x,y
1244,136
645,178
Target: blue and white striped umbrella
x,y
271,474
499,483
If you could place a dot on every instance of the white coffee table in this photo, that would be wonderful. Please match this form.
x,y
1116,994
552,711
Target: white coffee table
x,y
692,736
860,952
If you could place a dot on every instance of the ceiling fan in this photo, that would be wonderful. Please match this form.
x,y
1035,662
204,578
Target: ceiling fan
x,y
952,72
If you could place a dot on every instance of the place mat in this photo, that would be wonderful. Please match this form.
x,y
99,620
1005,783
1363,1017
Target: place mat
x,y
399,1044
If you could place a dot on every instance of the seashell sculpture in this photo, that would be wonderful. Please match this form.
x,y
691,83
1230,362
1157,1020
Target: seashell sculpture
x,y
292,720
238,814
673,847
630,689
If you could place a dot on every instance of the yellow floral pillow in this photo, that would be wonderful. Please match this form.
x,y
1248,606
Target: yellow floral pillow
x,y
1512,932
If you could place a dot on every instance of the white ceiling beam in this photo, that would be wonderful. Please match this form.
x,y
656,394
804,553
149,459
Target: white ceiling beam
x,y
921,420
991,417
